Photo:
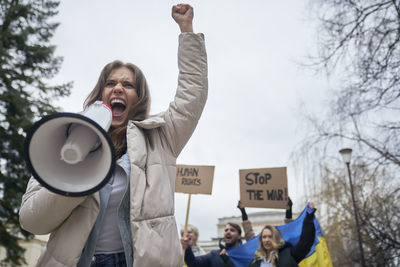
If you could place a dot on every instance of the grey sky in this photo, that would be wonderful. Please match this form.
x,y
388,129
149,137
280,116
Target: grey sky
x,y
256,89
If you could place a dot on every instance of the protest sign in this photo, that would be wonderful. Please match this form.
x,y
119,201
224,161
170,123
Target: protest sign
x,y
193,179
264,188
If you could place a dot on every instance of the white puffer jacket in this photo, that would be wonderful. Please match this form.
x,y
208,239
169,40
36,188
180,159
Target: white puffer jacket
x,y
153,146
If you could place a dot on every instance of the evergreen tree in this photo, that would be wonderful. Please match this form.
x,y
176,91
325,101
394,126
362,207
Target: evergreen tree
x,y
27,63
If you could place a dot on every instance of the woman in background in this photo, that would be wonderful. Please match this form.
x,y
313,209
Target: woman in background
x,y
275,252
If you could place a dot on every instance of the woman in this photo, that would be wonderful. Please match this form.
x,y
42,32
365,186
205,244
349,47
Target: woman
x,y
275,252
130,221
192,235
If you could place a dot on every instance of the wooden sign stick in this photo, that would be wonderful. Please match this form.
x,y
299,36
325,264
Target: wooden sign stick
x,y
187,217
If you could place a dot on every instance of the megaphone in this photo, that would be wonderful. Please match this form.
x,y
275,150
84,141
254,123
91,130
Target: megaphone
x,y
71,154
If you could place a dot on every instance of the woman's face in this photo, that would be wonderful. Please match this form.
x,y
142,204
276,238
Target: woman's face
x,y
120,94
266,239
192,238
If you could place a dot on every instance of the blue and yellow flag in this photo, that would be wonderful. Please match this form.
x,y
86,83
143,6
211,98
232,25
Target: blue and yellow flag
x,y
242,255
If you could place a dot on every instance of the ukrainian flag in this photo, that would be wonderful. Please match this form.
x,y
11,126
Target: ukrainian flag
x,y
242,255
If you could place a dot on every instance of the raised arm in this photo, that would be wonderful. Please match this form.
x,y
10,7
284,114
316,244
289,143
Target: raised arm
x,y
307,236
247,227
288,217
184,111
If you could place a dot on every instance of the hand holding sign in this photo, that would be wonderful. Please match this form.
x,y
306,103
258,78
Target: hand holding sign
x,y
240,205
264,188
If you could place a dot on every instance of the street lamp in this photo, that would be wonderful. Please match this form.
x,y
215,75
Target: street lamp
x,y
346,155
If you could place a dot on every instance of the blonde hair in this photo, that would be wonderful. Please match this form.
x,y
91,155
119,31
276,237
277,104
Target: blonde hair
x,y
277,243
140,110
192,229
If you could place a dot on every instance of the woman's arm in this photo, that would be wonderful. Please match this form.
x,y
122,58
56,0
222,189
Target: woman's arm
x,y
307,237
184,112
42,211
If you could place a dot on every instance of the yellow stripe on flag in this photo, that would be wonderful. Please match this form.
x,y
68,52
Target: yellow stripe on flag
x,y
320,257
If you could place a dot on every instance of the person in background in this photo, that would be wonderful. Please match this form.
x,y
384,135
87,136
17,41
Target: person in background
x,y
273,251
248,228
218,257
192,234
130,221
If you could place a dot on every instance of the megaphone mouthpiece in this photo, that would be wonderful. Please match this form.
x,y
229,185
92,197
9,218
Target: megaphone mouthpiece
x,y
80,141
70,154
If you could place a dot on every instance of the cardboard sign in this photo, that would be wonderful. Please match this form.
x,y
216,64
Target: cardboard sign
x,y
193,179
264,188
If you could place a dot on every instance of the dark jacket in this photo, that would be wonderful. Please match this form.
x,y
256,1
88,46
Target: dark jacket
x,y
290,256
212,259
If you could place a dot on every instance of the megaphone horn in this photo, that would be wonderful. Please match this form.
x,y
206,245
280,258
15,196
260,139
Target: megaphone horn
x,y
71,154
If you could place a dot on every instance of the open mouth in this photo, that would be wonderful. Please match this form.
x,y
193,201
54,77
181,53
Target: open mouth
x,y
228,238
118,106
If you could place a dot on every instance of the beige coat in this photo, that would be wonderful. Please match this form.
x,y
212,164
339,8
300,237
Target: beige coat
x,y
153,146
